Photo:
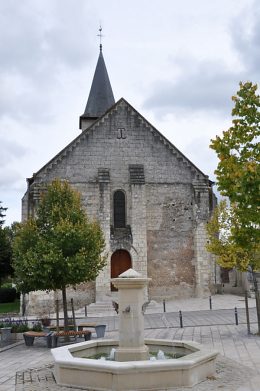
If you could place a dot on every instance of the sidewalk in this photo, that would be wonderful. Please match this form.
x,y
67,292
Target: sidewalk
x,y
224,301
231,341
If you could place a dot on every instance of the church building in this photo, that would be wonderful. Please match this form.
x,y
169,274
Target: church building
x,y
152,202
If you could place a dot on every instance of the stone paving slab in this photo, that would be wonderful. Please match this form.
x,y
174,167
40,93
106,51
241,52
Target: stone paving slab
x,y
229,376
189,319
218,302
231,341
253,385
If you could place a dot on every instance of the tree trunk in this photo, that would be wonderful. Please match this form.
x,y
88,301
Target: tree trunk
x,y
257,299
23,304
65,309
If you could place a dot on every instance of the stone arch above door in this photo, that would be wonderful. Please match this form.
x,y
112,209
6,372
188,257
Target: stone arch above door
x,y
120,262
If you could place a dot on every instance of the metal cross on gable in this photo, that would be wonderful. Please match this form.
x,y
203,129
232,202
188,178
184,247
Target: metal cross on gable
x,y
100,35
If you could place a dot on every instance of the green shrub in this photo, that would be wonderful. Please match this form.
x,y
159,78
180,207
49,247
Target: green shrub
x,y
20,325
20,328
37,327
5,323
7,295
17,326
6,285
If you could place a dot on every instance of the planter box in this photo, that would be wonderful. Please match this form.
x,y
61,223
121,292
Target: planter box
x,y
5,333
16,336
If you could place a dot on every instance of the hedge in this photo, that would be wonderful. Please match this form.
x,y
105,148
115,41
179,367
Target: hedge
x,y
7,295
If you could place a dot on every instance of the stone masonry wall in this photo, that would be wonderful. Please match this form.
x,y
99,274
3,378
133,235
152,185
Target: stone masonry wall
x,y
167,238
170,222
42,304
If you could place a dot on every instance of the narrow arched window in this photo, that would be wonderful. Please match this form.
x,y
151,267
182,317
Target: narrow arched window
x,y
119,209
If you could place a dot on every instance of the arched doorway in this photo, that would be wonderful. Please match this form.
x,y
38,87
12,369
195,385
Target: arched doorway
x,y
120,262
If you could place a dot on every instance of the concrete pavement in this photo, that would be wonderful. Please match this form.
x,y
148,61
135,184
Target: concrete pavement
x,y
230,340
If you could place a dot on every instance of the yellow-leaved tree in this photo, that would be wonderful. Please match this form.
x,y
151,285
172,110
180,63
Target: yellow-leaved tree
x,y
238,171
234,234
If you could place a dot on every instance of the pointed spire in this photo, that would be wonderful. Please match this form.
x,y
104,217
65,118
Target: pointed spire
x,y
101,96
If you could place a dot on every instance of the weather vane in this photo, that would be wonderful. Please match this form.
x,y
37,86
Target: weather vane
x,y
100,35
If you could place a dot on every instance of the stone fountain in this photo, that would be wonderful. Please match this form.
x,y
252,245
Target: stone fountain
x,y
75,365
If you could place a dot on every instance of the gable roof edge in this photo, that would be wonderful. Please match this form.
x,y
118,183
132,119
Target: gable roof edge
x,y
166,141
60,155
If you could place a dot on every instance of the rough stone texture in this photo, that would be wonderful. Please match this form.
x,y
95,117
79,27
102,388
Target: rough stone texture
x,y
43,303
168,200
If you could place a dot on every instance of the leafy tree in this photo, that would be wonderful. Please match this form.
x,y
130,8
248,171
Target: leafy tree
x,y
5,247
238,178
222,243
222,230
5,253
238,171
2,214
59,247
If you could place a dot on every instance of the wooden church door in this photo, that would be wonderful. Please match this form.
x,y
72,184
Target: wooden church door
x,y
120,262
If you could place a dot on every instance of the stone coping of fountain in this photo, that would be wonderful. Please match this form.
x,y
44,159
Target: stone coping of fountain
x,y
113,375
130,283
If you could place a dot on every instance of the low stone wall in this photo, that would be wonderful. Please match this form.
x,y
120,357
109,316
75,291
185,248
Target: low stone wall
x,y
42,303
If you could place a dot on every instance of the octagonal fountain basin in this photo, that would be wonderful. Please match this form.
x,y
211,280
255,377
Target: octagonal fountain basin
x,y
75,366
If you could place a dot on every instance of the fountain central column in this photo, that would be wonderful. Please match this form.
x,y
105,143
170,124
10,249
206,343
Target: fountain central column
x,y
130,285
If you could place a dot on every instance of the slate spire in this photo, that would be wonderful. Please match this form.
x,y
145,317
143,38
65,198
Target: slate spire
x,y
101,96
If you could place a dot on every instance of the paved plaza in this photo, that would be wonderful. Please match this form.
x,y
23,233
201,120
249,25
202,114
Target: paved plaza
x,y
29,368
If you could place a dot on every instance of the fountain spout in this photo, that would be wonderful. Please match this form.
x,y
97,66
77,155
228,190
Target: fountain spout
x,y
127,309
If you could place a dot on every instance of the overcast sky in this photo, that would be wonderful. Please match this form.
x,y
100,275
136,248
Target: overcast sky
x,y
177,62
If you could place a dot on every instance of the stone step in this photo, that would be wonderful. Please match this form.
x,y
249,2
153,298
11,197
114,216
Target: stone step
x,y
105,308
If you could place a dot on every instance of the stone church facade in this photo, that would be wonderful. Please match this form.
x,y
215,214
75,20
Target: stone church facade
x,y
151,201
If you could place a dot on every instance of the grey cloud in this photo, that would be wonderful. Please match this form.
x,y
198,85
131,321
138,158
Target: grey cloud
x,y
203,89
246,41
208,85
23,100
38,43
10,179
198,151
9,151
41,37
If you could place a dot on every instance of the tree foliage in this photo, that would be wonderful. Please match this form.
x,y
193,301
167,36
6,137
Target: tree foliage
x,y
222,243
2,214
5,253
5,247
60,246
238,171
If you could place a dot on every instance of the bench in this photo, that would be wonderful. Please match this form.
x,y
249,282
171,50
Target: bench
x,y
99,328
53,327
55,335
30,335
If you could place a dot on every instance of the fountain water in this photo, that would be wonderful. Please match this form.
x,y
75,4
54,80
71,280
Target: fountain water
x,y
160,355
132,369
112,354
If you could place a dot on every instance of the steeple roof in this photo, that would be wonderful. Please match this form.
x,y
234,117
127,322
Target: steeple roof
x,y
101,96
